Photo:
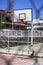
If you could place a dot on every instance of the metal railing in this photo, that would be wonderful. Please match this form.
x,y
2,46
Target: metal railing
x,y
21,34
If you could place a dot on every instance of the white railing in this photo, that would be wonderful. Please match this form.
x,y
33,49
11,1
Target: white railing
x,y
14,33
21,33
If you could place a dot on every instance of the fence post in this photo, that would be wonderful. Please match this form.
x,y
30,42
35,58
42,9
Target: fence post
x,y
8,42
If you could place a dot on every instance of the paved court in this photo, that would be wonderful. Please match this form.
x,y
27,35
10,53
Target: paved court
x,y
16,60
24,50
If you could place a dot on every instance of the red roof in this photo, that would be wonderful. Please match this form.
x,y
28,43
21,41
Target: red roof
x,y
6,12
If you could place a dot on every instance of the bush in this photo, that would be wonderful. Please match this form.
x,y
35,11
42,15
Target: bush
x,y
2,25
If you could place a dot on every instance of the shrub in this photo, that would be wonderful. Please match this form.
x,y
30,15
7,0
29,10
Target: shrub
x,y
2,25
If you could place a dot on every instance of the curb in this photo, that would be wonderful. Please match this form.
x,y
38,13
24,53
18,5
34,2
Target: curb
x,y
23,56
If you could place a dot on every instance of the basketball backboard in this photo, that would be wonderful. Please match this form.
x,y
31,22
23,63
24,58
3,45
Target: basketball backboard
x,y
22,14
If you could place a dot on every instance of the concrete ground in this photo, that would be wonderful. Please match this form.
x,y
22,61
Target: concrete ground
x,y
24,50
6,59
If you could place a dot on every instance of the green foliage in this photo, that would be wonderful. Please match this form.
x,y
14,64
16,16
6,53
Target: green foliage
x,y
2,25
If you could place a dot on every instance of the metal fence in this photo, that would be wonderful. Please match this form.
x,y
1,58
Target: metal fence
x,y
10,38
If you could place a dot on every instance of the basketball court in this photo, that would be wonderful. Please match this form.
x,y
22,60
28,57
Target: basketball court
x,y
11,36
6,59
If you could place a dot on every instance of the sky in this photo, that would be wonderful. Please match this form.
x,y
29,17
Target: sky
x,y
20,4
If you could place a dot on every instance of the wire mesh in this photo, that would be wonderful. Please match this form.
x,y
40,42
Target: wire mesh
x,y
7,44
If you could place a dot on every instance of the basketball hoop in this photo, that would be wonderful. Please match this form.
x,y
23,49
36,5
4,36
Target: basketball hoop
x,y
23,15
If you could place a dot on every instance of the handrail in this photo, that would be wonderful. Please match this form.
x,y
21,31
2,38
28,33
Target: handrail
x,y
20,33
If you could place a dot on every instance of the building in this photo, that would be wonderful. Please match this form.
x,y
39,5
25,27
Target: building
x,y
6,18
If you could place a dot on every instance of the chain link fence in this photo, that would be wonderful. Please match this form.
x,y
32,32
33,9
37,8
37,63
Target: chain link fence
x,y
11,38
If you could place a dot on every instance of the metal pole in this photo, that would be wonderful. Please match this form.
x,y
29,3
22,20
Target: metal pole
x,y
1,20
12,25
8,42
30,50
12,20
32,35
1,24
31,46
